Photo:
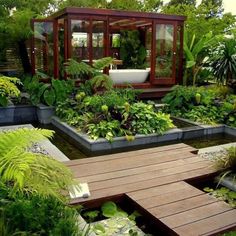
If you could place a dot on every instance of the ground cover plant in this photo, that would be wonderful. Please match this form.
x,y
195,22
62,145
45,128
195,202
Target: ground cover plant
x,y
114,113
208,105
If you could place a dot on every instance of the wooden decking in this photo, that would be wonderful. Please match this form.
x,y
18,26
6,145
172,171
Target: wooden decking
x,y
156,179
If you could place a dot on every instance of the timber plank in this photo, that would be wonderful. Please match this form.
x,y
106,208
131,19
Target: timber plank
x,y
135,170
164,198
118,164
195,214
135,178
182,206
161,149
147,184
207,226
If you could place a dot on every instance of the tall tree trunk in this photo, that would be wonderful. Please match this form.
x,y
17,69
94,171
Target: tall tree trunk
x,y
24,57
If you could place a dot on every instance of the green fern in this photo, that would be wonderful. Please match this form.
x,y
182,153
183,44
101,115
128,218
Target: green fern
x,y
102,81
29,172
102,63
78,70
8,89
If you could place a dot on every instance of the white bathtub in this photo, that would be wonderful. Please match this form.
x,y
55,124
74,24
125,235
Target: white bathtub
x,y
130,76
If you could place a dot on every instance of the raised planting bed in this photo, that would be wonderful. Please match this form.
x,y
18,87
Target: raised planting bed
x,y
17,114
23,114
101,145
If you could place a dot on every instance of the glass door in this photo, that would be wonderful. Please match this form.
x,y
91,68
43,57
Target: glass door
x,y
165,53
44,55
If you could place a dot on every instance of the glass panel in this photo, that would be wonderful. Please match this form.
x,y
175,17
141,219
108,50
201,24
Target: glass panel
x,y
61,47
98,39
130,44
43,51
164,50
148,46
80,39
177,61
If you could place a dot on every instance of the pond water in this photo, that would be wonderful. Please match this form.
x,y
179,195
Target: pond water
x,y
210,140
181,124
73,151
64,143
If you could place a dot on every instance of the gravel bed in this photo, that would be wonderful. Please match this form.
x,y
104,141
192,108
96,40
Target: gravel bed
x,y
214,155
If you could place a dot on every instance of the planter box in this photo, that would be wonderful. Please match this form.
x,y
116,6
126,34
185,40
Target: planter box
x,y
45,113
17,114
102,146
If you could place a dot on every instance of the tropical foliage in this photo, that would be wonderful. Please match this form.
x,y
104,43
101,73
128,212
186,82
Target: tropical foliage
x,y
47,93
31,181
210,106
82,71
224,63
195,56
8,89
34,215
113,114
28,172
132,51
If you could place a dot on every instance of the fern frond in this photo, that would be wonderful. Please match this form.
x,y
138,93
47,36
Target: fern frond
x,y
51,173
102,81
78,70
15,165
22,138
102,63
29,172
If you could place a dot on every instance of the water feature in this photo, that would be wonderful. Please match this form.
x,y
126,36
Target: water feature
x,y
64,143
73,151
210,140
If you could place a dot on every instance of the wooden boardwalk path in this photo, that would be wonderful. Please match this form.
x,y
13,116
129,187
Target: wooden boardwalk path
x,y
156,179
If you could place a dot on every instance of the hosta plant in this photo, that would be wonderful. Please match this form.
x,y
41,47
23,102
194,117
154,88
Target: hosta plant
x,y
8,89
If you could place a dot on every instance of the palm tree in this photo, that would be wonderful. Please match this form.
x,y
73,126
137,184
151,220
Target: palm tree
x,y
194,55
224,64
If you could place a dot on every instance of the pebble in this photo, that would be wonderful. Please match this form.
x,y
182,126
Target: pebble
x,y
36,148
214,155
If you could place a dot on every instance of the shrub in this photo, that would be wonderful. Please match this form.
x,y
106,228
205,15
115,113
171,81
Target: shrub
x,y
48,93
32,188
34,215
210,105
8,89
144,120
113,114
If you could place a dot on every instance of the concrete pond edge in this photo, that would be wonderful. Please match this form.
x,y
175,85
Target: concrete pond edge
x,y
175,134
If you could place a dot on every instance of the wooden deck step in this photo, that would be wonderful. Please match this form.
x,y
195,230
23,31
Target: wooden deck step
x,y
155,179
